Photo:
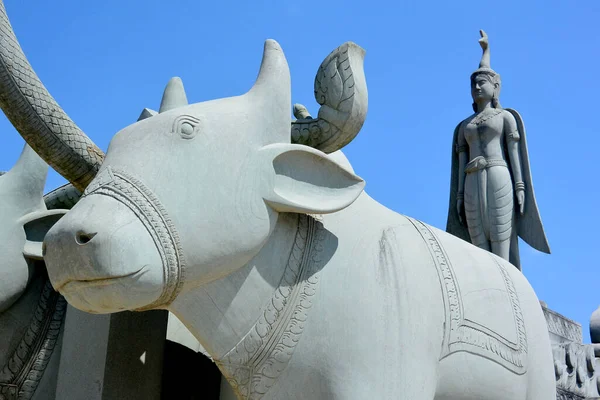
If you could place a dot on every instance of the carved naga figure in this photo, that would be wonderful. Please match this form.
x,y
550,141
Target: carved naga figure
x,y
492,202
31,312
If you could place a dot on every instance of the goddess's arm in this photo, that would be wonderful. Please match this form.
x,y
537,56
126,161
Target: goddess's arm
x,y
511,133
462,149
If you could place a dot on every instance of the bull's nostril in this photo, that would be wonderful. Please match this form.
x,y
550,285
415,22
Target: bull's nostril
x,y
83,238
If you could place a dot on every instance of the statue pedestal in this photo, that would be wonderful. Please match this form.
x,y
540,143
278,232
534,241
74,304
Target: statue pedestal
x,y
117,356
576,368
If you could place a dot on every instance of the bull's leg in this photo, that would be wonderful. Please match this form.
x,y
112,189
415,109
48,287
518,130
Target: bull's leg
x,y
426,392
418,373
536,392
541,384
420,388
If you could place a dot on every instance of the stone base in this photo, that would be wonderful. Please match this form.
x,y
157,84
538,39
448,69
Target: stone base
x,y
565,395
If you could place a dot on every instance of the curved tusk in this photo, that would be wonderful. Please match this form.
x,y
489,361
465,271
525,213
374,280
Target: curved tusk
x,y
341,90
39,119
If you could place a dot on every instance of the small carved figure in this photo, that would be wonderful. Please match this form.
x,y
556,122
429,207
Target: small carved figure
x,y
491,195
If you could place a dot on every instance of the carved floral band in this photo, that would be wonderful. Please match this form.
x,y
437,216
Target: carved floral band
x,y
146,206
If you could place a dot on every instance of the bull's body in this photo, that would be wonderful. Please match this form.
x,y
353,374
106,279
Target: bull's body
x,y
390,309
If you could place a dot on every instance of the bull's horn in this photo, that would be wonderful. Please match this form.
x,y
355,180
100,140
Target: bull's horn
x,y
174,96
272,91
65,197
341,90
37,116
28,177
29,174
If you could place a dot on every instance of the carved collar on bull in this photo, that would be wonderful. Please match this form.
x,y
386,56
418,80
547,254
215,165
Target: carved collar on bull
x,y
255,363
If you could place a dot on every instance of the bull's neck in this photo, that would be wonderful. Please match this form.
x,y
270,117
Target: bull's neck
x,y
239,319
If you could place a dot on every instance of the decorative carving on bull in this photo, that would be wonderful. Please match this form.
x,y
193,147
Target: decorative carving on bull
x,y
341,90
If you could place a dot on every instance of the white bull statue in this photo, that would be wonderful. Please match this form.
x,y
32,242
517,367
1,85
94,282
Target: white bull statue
x,y
295,281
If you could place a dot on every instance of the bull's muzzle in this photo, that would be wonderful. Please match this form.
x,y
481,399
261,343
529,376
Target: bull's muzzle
x,y
118,233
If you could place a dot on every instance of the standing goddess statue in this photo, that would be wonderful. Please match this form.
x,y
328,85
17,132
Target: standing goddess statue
x,y
492,202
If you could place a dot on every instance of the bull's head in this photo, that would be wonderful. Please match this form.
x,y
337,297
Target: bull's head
x,y
24,220
190,195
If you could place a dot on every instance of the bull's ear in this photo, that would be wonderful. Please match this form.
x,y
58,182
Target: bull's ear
x,y
305,180
36,225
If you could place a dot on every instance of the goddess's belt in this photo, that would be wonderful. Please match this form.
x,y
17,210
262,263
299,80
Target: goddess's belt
x,y
480,162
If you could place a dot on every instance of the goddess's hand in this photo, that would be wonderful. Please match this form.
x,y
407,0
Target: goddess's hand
x,y
459,208
521,200
483,42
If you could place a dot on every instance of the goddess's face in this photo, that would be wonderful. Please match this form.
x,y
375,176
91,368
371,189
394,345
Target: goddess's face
x,y
482,88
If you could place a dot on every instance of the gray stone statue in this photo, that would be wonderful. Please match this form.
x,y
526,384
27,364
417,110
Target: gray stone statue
x,y
492,201
295,281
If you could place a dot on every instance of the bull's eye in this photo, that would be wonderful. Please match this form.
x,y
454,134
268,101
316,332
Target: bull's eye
x,y
187,129
186,126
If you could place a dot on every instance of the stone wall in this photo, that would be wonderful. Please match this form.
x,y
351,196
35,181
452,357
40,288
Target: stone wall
x,y
562,329
576,367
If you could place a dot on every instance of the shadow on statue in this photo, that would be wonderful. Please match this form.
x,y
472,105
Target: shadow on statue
x,y
188,375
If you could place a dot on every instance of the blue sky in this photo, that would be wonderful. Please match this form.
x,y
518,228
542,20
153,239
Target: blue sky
x,y
105,61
